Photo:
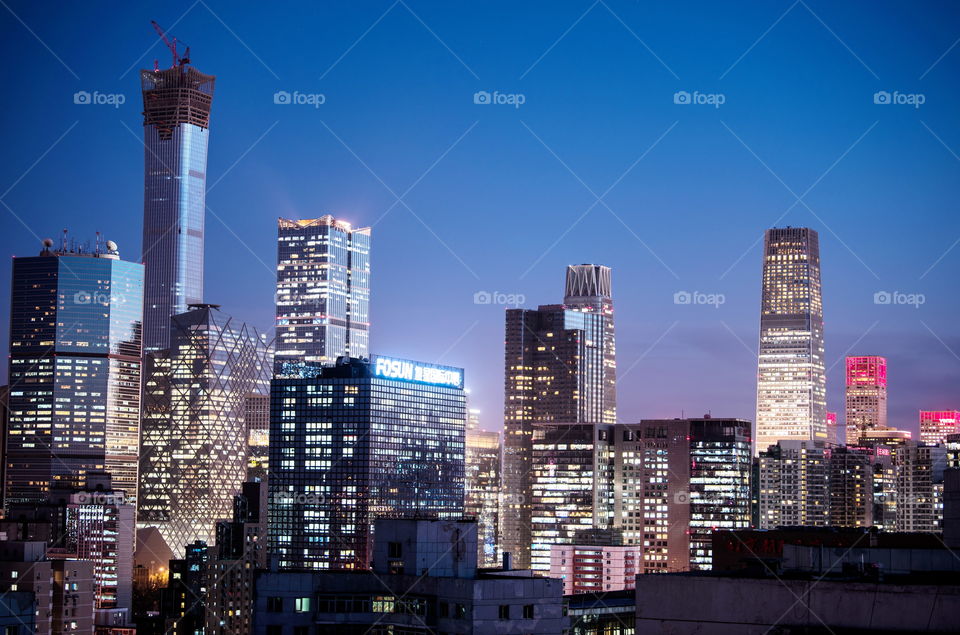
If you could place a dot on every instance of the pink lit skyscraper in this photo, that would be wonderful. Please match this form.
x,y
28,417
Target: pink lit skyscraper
x,y
935,425
866,395
833,433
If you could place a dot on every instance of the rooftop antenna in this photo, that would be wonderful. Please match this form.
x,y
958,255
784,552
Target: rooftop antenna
x,y
98,245
63,241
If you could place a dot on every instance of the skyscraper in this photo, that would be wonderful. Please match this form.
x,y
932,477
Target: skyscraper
x,y
866,395
176,122
241,549
919,474
791,381
853,493
356,441
559,367
74,400
794,484
323,292
675,481
589,289
194,444
570,484
719,493
936,425
835,435
483,458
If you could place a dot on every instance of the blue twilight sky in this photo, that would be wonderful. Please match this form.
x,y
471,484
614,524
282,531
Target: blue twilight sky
x,y
500,198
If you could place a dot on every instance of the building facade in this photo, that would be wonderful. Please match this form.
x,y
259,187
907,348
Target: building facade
x,y
194,445
323,292
75,348
176,131
794,485
937,425
851,487
424,580
572,489
791,380
866,395
595,568
257,416
559,367
675,481
482,496
357,441
920,473
241,549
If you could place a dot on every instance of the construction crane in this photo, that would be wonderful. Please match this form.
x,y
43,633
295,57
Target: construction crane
x,y
172,45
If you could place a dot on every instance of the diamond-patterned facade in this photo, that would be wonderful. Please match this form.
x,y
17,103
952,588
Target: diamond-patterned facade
x,y
194,442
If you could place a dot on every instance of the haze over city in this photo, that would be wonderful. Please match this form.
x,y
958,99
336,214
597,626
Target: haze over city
x,y
602,162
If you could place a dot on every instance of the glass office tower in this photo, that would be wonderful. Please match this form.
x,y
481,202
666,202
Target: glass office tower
x,y
194,445
589,288
559,367
483,458
323,292
176,122
791,380
74,400
571,485
357,441
866,396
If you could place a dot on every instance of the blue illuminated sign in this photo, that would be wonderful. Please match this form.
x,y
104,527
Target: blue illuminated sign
x,y
406,370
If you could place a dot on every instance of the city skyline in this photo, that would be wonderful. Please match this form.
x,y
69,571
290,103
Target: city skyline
x,y
655,348
644,254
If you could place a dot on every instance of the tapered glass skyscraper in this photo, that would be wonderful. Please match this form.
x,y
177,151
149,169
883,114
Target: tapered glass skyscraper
x,y
176,121
791,381
323,292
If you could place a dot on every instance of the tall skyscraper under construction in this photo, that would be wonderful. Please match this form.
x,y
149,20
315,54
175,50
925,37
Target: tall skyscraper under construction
x,y
176,131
